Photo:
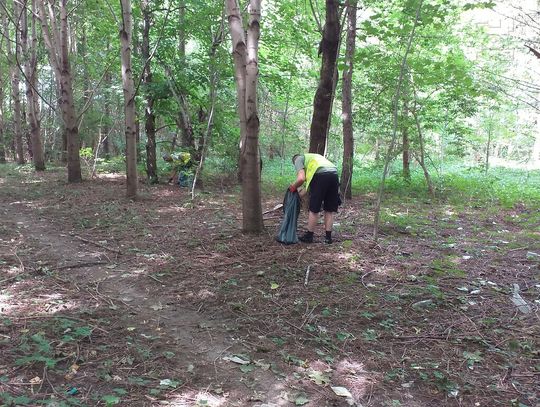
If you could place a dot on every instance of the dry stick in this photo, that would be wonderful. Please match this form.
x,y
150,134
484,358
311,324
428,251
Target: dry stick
x,y
306,279
98,244
395,119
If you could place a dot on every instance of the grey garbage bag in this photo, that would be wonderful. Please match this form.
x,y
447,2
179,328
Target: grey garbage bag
x,y
291,209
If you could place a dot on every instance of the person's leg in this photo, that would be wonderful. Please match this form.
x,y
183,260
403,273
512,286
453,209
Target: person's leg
x,y
312,221
330,205
315,202
328,221
312,224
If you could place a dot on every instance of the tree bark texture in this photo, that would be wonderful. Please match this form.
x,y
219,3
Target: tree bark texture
x,y
149,116
406,142
422,159
56,38
322,103
348,136
2,138
535,154
129,98
13,57
245,55
29,48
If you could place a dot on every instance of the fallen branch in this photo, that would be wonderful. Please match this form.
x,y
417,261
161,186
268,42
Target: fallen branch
x,y
275,208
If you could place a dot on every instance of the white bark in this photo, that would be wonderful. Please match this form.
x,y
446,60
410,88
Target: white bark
x,y
246,72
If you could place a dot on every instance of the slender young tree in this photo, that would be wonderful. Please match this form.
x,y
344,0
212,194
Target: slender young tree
x,y
397,98
2,95
2,137
149,114
322,103
126,30
56,38
245,55
13,55
348,138
29,50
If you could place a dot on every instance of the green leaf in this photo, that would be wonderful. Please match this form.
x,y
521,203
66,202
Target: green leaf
x,y
301,400
120,391
110,400
247,368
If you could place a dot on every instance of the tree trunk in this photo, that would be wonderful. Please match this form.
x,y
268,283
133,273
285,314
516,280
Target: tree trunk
x,y
421,160
246,73
29,46
348,136
13,56
535,154
56,41
149,116
107,114
68,103
322,104
397,97
406,149
129,98
2,138
488,147
213,74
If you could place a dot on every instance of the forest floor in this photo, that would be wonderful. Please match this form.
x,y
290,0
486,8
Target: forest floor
x,y
163,301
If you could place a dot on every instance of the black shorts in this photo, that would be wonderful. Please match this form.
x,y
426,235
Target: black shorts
x,y
324,188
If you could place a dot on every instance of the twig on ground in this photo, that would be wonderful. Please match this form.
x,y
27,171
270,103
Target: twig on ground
x,y
98,244
306,278
155,278
364,276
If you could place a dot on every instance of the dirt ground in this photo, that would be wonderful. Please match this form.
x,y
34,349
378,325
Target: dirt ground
x,y
163,301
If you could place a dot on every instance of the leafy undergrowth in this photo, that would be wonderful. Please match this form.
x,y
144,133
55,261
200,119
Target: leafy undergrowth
x,y
162,301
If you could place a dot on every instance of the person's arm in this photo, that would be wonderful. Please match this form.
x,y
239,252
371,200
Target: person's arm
x,y
300,179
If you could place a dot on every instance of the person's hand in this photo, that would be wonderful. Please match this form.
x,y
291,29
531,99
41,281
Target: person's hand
x,y
292,188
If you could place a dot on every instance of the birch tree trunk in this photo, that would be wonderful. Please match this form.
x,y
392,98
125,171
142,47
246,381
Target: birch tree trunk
x,y
29,48
348,137
322,103
13,56
245,56
56,39
129,98
149,116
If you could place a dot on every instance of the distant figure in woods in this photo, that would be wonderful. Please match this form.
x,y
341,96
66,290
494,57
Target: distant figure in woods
x,y
321,181
182,167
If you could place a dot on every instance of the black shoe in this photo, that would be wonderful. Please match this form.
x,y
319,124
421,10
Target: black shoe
x,y
328,240
306,237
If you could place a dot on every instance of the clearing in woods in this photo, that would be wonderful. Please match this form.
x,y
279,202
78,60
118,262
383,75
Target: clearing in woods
x,y
162,301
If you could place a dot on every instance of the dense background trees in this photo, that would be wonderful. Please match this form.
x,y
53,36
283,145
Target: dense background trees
x,y
466,95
